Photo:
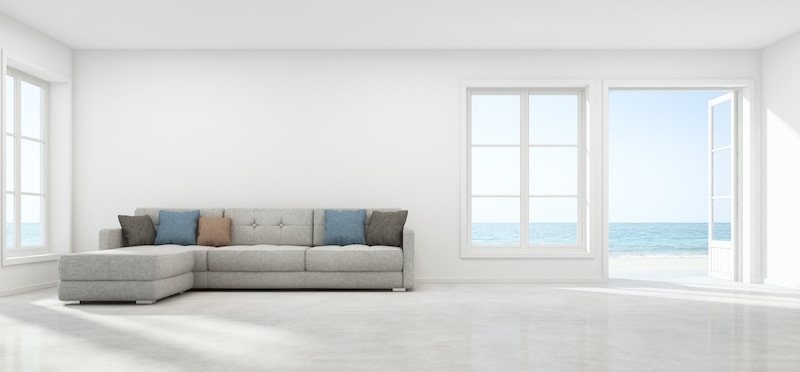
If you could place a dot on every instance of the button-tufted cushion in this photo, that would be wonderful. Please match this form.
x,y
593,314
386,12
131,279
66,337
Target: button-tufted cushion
x,y
270,226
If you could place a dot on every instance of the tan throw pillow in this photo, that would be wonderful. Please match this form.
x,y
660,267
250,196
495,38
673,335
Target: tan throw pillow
x,y
214,232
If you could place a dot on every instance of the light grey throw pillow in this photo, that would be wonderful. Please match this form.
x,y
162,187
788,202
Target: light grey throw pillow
x,y
386,228
138,230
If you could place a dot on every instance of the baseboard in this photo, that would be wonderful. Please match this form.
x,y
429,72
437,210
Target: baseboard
x,y
30,288
506,281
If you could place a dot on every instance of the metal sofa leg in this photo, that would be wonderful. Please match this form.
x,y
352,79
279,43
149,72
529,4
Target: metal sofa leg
x,y
145,302
398,289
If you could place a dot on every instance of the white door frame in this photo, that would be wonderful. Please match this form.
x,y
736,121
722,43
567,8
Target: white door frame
x,y
723,256
748,166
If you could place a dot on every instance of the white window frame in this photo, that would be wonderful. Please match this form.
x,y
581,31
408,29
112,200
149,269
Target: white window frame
x,y
526,250
18,250
57,172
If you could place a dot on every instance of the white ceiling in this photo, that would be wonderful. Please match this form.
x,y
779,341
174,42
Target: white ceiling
x,y
410,24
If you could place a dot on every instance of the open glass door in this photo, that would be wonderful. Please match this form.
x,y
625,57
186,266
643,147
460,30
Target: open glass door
x,y
722,206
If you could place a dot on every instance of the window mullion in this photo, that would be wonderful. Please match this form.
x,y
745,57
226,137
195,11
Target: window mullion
x,y
44,189
17,163
524,194
582,197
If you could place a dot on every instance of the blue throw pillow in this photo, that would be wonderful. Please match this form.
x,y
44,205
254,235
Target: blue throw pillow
x,y
177,227
345,227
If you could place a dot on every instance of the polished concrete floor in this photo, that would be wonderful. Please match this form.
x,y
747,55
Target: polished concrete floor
x,y
688,324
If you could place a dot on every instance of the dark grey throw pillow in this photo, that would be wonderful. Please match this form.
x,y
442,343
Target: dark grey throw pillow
x,y
386,228
138,230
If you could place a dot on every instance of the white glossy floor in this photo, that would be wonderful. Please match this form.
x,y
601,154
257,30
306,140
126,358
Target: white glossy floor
x,y
692,324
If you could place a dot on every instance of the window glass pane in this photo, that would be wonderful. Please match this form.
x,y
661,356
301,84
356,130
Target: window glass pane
x,y
721,215
722,172
553,221
10,104
721,119
495,119
31,110
495,221
10,163
9,220
553,119
31,221
495,171
554,171
31,166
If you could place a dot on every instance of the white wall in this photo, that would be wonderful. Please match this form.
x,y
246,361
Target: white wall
x,y
781,102
318,129
39,53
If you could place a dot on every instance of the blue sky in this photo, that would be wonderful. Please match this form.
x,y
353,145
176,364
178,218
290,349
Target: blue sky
x,y
658,154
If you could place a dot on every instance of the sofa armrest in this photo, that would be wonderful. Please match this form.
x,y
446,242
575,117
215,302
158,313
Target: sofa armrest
x,y
408,259
111,238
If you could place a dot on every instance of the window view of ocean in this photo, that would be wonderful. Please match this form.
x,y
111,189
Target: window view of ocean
x,y
31,234
624,239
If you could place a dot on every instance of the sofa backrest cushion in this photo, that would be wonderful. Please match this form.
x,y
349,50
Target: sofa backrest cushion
x,y
153,213
270,226
319,223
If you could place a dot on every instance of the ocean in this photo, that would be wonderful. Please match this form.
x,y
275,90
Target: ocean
x,y
624,239
31,234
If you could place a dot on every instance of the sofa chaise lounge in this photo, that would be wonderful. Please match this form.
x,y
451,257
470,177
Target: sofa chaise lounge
x,y
269,249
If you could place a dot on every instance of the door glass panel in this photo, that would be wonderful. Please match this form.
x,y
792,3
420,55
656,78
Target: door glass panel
x,y
721,130
553,119
495,221
495,119
553,221
721,162
554,171
721,215
31,167
9,104
495,171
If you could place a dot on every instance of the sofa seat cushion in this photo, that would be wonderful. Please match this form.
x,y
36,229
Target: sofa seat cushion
x,y
354,258
199,252
132,263
263,257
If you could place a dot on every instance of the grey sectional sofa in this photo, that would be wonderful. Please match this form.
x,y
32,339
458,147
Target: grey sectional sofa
x,y
270,248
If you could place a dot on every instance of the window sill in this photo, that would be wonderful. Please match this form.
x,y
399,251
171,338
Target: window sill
x,y
32,258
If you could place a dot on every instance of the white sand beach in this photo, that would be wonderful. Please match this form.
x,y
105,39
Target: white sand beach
x,y
658,268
